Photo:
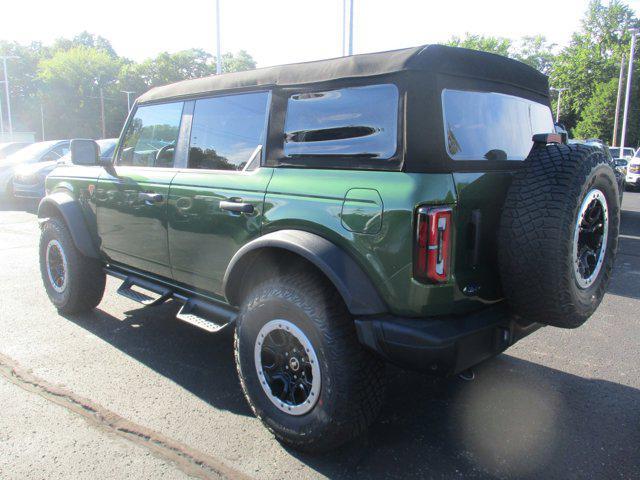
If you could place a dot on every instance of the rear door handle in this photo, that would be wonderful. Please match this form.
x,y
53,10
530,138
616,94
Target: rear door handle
x,y
237,207
150,198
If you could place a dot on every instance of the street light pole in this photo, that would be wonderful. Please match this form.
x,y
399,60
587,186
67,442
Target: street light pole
x,y
128,92
634,33
618,99
6,91
350,27
218,56
344,27
42,119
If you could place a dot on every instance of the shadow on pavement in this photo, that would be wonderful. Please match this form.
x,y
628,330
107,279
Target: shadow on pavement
x,y
517,419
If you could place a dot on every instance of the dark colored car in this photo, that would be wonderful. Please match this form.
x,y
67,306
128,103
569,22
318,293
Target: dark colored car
x,y
8,148
413,206
28,179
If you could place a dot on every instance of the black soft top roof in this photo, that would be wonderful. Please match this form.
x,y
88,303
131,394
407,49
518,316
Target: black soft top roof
x,y
429,59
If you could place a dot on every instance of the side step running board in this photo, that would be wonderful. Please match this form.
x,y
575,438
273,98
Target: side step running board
x,y
205,315
126,290
199,312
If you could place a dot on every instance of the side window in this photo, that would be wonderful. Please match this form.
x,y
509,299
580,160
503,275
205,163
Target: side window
x,y
56,153
353,122
150,140
226,132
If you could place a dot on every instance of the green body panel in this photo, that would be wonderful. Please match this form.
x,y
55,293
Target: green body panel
x,y
312,200
483,193
79,182
369,214
202,237
133,230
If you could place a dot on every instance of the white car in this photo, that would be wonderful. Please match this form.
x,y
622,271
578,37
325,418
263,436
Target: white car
x,y
633,173
626,153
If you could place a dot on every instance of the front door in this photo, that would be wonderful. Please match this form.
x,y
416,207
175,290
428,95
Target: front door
x,y
132,206
216,203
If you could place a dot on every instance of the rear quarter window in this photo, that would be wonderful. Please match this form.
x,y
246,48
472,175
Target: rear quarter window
x,y
491,126
356,122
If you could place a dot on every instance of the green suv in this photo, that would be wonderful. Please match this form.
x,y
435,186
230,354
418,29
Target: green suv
x,y
412,206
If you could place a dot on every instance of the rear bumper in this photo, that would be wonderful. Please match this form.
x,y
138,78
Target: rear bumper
x,y
443,345
633,179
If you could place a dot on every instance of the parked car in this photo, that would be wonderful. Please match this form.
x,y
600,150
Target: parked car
x,y
8,148
413,206
28,179
618,152
633,172
34,153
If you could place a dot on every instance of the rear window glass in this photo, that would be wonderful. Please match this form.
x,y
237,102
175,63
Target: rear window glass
x,y
350,122
492,126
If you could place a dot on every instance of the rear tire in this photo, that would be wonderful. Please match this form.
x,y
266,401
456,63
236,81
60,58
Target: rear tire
x,y
344,387
74,283
555,263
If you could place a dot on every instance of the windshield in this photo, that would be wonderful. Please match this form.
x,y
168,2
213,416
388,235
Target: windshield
x,y
32,151
626,152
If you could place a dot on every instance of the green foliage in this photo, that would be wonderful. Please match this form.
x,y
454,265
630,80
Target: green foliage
x,y
598,114
66,80
497,45
590,63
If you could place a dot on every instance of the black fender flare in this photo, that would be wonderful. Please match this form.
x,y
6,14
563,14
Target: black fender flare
x,y
65,206
353,284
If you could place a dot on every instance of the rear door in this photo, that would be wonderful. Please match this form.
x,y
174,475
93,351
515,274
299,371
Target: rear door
x,y
486,129
132,207
216,202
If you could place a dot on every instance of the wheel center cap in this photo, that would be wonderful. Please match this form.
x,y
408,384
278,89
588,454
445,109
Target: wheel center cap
x,y
294,364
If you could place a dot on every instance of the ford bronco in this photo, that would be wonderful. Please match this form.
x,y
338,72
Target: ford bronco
x,y
414,206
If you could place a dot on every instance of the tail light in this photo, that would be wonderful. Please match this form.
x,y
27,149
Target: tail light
x,y
432,258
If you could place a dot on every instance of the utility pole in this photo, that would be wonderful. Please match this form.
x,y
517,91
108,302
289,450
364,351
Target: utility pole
x,y
634,33
104,128
618,99
128,92
218,55
42,119
6,91
350,27
1,123
559,90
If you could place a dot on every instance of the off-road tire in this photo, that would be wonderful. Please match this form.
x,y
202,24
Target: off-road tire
x,y
536,234
85,278
353,380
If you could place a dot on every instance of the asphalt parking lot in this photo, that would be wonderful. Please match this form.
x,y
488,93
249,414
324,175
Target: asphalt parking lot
x,y
126,392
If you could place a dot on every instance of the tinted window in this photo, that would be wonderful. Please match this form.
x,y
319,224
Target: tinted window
x,y
56,153
151,138
227,130
358,122
492,126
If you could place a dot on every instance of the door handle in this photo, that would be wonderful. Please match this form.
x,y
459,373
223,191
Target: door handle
x,y
236,207
150,198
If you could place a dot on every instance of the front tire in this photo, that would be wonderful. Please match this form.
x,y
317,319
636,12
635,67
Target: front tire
x,y
302,369
74,283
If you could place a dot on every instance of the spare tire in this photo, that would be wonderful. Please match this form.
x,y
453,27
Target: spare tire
x,y
559,234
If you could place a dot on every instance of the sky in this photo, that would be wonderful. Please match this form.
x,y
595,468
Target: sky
x,y
285,31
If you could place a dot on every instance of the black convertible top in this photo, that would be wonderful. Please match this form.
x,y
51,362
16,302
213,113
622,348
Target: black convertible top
x,y
431,59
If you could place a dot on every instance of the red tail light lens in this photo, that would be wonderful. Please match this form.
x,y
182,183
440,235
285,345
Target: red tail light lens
x,y
433,244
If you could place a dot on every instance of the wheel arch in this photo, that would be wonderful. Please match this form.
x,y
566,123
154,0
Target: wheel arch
x,y
64,206
284,247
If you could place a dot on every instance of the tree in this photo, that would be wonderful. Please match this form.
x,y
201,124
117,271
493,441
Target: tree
x,y
71,83
597,116
497,45
537,52
592,58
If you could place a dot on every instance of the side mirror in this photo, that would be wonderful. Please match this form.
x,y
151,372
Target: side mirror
x,y
620,162
85,152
